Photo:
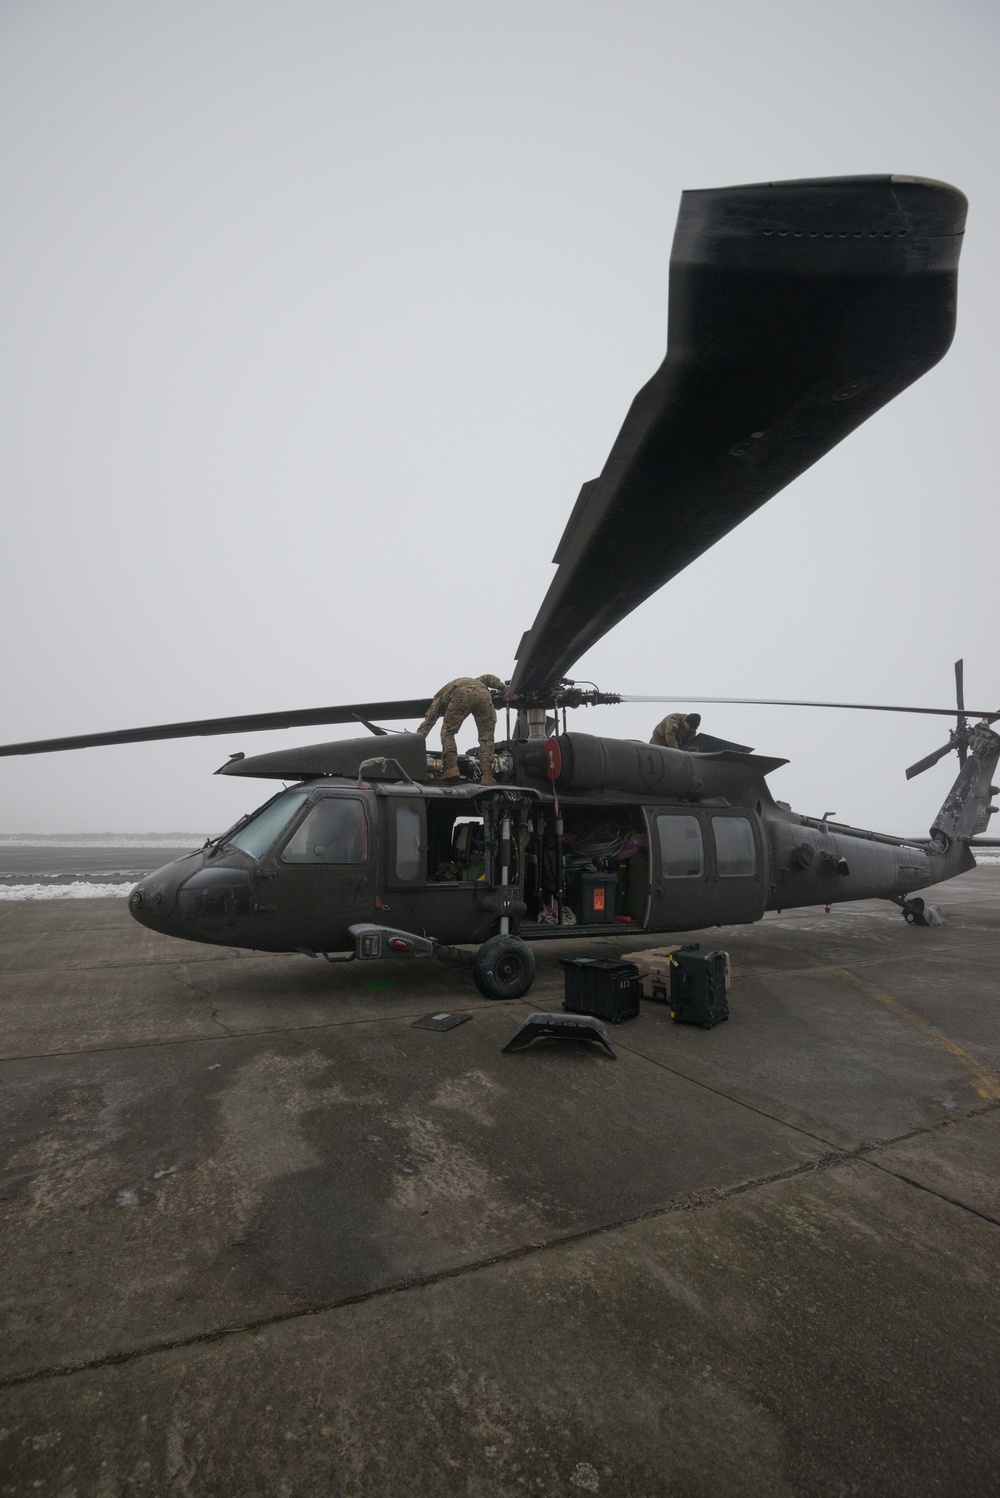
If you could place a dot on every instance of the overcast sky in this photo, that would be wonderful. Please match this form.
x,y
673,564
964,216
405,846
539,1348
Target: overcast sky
x,y
316,316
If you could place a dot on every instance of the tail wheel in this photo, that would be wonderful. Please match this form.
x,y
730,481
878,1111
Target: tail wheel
x,y
504,968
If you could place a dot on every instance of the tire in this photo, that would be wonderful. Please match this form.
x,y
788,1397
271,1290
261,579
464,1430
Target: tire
x,y
504,968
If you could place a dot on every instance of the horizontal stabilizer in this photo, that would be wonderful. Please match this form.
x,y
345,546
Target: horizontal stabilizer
x,y
706,743
765,764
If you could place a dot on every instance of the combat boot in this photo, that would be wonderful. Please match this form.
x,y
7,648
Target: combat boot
x,y
486,775
449,762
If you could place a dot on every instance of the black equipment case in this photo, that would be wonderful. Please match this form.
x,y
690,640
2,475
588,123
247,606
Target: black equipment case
x,y
602,987
598,894
698,987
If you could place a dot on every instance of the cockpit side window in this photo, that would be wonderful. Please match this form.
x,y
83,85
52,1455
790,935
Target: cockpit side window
x,y
257,835
334,831
409,860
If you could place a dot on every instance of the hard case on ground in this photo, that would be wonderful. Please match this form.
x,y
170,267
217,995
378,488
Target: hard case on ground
x,y
655,965
698,987
602,987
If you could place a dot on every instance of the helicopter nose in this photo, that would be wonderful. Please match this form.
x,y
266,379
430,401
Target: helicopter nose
x,y
154,898
195,898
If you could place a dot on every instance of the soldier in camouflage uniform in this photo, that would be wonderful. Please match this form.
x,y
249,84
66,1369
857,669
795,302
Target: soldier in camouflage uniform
x,y
676,730
453,704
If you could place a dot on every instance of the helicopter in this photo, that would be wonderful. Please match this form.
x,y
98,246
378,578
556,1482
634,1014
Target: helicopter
x,y
796,310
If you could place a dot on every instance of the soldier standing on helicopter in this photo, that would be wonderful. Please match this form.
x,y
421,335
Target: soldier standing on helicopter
x,y
676,730
453,704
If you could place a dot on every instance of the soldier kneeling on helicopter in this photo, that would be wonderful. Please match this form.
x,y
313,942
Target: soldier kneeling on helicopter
x,y
453,704
676,730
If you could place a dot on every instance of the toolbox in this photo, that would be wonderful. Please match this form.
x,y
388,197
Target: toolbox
x,y
598,893
602,987
698,982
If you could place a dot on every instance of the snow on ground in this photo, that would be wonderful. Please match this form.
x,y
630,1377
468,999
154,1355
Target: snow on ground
x,y
79,889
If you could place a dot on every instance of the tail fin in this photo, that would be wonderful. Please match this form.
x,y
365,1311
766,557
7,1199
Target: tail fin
x,y
967,807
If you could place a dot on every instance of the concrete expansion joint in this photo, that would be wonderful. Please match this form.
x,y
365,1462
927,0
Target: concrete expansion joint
x,y
119,967
952,1201
867,1153
182,1040
728,1096
829,1159
687,1202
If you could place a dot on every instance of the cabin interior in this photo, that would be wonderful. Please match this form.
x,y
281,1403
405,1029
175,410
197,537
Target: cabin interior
x,y
598,856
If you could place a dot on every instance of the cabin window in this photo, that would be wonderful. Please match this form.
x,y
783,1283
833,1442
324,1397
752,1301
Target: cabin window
x,y
681,853
735,853
260,832
335,831
409,864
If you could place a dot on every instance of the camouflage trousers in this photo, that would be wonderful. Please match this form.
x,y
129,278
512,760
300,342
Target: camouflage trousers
x,y
463,703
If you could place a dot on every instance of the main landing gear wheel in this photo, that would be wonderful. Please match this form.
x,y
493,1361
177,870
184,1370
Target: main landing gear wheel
x,y
504,968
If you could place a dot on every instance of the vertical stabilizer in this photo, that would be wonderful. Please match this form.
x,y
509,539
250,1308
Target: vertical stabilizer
x,y
968,805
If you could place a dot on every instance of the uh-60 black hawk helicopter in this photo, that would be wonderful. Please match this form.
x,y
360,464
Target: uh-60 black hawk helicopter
x,y
796,310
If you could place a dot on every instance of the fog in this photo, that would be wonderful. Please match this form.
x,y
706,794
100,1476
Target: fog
x,y
316,316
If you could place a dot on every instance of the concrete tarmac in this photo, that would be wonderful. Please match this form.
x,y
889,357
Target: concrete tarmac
x,y
260,1235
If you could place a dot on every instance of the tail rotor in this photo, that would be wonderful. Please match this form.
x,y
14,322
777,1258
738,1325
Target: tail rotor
x,y
960,735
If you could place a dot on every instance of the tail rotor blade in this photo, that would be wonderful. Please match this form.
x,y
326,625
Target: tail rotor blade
x,y
960,699
928,760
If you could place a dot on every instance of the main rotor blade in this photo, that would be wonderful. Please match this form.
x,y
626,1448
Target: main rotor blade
x,y
861,707
928,760
797,309
206,727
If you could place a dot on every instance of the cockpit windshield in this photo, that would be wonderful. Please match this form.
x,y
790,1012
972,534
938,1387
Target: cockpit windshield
x,y
257,835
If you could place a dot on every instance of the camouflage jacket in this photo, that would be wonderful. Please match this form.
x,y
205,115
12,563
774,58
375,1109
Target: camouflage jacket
x,y
673,732
478,683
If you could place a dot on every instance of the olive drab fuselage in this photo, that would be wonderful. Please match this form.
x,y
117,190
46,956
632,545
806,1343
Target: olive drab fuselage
x,y
702,843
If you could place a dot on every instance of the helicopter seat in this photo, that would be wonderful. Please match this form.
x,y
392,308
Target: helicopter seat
x,y
469,851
